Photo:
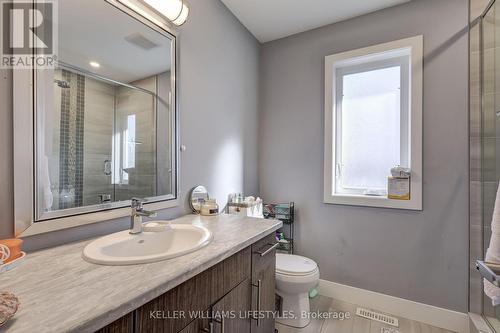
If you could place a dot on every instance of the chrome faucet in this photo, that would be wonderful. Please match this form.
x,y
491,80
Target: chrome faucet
x,y
138,212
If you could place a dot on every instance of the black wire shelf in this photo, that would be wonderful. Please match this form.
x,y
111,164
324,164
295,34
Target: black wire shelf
x,y
285,212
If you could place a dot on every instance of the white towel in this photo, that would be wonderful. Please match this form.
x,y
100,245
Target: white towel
x,y
493,252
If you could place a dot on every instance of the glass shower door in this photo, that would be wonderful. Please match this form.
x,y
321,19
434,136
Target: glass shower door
x,y
490,136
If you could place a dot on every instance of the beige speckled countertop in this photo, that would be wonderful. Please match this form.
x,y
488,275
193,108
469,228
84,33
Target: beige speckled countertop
x,y
60,292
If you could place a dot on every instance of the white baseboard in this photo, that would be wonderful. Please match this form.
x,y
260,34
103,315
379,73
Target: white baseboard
x,y
428,314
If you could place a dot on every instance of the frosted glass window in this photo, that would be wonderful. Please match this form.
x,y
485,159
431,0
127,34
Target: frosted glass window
x,y
372,134
373,123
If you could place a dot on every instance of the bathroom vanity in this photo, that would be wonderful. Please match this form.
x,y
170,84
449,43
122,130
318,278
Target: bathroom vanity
x,y
103,129
223,298
61,292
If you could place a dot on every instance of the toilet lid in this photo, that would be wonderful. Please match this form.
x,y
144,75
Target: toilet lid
x,y
294,265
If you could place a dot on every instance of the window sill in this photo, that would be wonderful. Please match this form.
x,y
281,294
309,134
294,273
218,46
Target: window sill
x,y
373,201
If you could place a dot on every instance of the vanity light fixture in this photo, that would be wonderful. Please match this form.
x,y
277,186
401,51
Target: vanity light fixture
x,y
176,11
183,15
95,64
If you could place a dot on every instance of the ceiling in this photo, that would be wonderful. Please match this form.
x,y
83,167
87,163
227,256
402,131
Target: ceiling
x,y
99,32
268,20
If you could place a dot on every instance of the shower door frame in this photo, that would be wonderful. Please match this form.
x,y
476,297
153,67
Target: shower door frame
x,y
479,321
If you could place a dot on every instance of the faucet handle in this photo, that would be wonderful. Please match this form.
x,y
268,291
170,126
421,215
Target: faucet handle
x,y
137,202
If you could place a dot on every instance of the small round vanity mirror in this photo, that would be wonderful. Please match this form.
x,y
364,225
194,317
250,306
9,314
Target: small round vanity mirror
x,y
199,195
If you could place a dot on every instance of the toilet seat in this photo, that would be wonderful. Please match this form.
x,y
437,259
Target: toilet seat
x,y
293,265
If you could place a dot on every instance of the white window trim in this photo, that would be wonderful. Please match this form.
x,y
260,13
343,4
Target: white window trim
x,y
415,44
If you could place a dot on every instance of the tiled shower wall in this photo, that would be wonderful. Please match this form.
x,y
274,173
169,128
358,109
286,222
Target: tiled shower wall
x,y
99,117
83,139
85,164
71,141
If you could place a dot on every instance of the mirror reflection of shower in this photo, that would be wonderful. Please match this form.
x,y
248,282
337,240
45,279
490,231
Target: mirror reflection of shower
x,y
103,139
105,127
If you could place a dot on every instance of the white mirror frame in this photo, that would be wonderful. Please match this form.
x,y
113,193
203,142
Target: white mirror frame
x,y
24,99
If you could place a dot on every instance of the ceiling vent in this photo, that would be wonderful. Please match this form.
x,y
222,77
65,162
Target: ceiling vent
x,y
140,41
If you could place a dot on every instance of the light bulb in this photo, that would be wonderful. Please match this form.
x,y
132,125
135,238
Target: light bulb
x,y
182,16
172,9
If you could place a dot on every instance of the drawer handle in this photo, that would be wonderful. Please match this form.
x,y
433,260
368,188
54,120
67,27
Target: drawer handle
x,y
266,252
259,288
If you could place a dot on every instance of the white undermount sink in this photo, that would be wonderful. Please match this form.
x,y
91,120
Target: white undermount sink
x,y
159,240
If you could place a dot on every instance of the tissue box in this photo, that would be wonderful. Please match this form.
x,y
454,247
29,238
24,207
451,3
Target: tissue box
x,y
254,210
398,188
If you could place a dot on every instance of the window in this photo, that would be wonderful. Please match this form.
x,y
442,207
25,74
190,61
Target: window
x,y
373,122
129,160
124,151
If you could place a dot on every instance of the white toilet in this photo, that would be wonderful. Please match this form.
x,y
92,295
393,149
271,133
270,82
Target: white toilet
x,y
295,277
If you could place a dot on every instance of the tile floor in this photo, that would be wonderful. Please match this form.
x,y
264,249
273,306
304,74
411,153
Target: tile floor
x,y
495,323
355,324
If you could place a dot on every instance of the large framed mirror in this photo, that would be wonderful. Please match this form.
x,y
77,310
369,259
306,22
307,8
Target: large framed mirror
x,y
103,122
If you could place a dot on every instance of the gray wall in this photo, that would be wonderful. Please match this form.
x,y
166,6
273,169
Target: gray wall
x,y
218,118
421,256
415,255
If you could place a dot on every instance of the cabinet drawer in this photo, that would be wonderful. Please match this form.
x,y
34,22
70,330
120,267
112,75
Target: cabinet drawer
x,y
263,282
263,258
231,312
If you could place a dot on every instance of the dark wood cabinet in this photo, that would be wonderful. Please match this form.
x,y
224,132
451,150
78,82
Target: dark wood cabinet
x,y
233,289
174,310
263,282
199,325
171,312
232,313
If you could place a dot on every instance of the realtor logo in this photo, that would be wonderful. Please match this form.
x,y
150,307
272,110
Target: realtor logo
x,y
29,34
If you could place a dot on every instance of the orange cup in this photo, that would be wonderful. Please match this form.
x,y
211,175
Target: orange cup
x,y
14,246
